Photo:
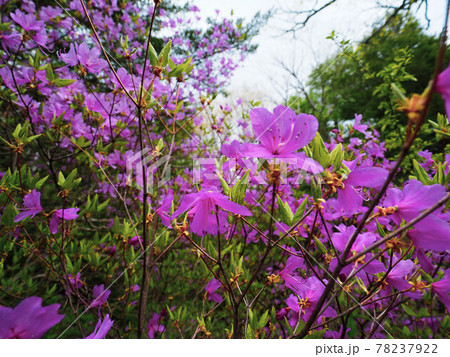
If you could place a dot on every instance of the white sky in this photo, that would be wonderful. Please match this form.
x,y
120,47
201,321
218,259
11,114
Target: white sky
x,y
261,76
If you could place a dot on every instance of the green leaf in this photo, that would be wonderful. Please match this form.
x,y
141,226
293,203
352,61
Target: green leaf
x,y
153,56
320,152
225,186
31,138
17,130
285,211
439,177
71,181
102,206
240,188
40,182
163,59
49,73
288,326
8,215
421,174
398,92
316,189
336,157
5,26
408,310
300,211
320,245
60,82
380,230
443,133
263,320
61,179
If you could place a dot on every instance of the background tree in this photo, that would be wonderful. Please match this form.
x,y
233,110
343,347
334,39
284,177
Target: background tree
x,y
359,80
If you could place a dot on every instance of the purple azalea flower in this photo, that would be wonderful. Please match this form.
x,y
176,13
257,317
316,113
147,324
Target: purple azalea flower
x,y
27,21
443,87
290,272
429,162
414,198
154,325
101,329
32,202
282,134
211,287
100,294
396,276
442,289
47,13
424,261
69,214
135,241
363,241
75,281
349,198
90,58
235,151
432,232
125,78
359,127
70,57
306,298
163,211
29,319
202,206
11,41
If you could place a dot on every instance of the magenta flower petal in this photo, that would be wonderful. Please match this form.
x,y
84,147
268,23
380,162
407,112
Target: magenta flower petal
x,y
100,295
348,200
68,214
307,164
443,87
231,206
22,215
442,289
282,133
367,177
202,206
256,150
29,319
290,272
32,202
27,21
424,261
201,217
101,329
187,203
431,233
397,275
154,325
54,224
359,127
261,119
70,57
211,287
